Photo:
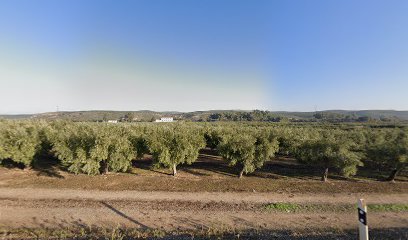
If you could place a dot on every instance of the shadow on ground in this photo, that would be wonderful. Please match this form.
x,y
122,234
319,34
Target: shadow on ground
x,y
48,166
210,164
123,215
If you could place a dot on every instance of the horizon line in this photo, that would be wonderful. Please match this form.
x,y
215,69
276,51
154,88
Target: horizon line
x,y
209,110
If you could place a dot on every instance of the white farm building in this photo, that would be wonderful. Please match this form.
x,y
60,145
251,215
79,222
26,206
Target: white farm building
x,y
165,119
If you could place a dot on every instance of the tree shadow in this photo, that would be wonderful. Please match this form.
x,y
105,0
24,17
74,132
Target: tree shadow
x,y
9,163
123,215
43,167
212,164
271,169
193,171
282,167
47,166
209,152
381,175
286,168
147,164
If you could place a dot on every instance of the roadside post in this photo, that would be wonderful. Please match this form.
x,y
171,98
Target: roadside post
x,y
362,218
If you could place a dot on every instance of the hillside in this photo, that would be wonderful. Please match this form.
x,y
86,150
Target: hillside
x,y
225,115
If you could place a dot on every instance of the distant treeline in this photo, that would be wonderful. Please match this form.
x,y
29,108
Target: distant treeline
x,y
332,116
267,116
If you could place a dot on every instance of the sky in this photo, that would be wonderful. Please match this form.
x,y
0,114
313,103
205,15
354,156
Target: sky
x,y
183,55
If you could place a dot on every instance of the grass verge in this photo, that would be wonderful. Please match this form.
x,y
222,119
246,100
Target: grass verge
x,y
118,233
313,207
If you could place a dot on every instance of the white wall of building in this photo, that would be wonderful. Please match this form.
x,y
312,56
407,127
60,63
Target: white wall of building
x,y
165,119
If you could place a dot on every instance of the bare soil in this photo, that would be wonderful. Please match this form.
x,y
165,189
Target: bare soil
x,y
204,196
208,174
170,211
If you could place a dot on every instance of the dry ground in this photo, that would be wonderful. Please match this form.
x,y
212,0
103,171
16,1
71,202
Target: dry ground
x,y
209,174
62,208
204,197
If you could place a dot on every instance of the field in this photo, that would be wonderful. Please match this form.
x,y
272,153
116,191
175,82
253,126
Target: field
x,y
205,200
67,180
212,119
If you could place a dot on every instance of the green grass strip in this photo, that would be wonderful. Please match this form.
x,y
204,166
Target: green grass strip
x,y
315,207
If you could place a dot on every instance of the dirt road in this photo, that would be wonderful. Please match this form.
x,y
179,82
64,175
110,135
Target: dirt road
x,y
39,208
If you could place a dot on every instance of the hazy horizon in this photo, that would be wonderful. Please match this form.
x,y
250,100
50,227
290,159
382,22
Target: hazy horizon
x,y
244,110
195,56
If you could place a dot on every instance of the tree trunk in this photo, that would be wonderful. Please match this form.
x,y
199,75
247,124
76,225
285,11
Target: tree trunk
x,y
393,174
174,169
325,173
28,168
241,173
104,167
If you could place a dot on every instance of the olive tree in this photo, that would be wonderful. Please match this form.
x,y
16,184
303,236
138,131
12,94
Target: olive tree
x,y
330,151
92,149
389,150
113,149
138,139
247,151
174,145
19,142
71,143
291,138
213,136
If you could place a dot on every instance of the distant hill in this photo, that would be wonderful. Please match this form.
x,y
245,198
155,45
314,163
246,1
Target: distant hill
x,y
16,116
376,114
143,115
146,115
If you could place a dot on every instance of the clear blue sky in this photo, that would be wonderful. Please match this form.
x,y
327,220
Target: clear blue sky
x,y
196,55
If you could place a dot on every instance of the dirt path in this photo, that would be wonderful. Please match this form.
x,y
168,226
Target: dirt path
x,y
109,216
28,207
193,180
230,197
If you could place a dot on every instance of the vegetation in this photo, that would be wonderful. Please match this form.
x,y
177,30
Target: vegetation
x,y
389,150
174,145
330,151
334,116
388,207
97,148
19,141
320,207
247,150
283,207
204,233
91,149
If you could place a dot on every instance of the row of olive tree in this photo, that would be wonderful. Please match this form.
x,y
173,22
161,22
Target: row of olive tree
x,y
327,148
346,150
95,148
